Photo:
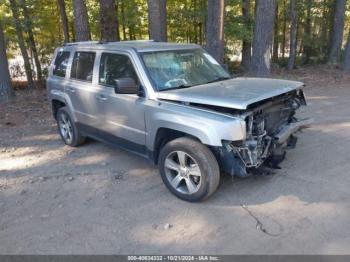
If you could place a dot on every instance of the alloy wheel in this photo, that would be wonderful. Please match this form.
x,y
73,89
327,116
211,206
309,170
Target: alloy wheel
x,y
66,128
182,172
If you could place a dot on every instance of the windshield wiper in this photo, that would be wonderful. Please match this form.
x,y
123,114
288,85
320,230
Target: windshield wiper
x,y
222,78
176,87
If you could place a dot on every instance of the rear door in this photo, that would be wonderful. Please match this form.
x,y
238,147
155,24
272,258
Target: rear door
x,y
58,70
81,90
123,114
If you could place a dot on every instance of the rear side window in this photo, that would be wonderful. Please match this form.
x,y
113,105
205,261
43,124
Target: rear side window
x,y
61,63
82,66
114,66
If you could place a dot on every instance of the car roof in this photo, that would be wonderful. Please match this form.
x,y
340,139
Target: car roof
x,y
138,45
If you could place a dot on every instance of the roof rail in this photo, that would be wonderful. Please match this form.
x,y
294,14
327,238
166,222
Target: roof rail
x,y
133,41
104,42
83,43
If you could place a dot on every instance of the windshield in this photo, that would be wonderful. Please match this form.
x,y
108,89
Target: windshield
x,y
182,68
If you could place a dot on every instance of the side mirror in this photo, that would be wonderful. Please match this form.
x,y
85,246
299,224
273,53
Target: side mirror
x,y
126,86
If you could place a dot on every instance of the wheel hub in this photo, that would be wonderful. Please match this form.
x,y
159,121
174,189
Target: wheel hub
x,y
183,172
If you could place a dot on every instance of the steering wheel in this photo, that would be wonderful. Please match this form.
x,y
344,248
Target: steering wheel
x,y
180,77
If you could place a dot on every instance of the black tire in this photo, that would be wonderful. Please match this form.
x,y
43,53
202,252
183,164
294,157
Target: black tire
x,y
76,138
201,157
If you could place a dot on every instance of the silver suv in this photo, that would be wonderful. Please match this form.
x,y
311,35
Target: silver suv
x,y
175,105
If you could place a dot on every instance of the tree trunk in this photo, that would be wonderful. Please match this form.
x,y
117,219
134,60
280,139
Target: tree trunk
x,y
22,47
28,28
247,44
62,7
346,63
215,29
6,91
262,40
123,20
275,38
307,34
325,25
81,21
337,32
284,28
157,20
108,20
293,34
116,17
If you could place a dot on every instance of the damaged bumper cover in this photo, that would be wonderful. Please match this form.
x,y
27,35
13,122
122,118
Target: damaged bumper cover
x,y
284,134
239,159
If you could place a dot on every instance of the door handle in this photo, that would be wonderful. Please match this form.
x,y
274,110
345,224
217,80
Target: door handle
x,y
101,98
70,89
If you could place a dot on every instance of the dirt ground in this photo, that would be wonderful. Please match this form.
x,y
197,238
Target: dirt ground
x,y
99,200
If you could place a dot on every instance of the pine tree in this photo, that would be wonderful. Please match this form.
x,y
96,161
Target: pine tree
x,y
246,44
21,43
62,7
157,20
31,41
108,21
6,91
262,40
81,22
293,34
215,29
346,63
337,32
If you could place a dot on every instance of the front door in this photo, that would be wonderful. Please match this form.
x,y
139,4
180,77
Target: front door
x,y
123,114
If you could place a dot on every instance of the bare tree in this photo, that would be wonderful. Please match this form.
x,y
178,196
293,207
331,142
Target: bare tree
x,y
247,44
337,32
81,21
293,34
262,39
215,29
6,91
346,63
108,20
31,41
157,20
62,7
22,47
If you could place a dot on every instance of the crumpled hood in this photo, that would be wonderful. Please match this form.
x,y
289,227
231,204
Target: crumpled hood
x,y
237,93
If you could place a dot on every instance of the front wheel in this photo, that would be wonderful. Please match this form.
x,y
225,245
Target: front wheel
x,y
189,169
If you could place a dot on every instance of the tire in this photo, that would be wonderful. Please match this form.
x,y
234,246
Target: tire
x,y
180,160
71,135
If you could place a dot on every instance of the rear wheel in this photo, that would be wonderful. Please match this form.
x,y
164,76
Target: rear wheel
x,y
67,128
189,169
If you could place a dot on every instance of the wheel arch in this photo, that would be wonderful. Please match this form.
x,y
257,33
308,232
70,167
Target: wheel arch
x,y
56,105
165,135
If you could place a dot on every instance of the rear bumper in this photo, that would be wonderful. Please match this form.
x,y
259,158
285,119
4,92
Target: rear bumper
x,y
283,135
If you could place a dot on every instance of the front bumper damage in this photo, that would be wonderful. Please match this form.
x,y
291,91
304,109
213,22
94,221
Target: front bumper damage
x,y
241,159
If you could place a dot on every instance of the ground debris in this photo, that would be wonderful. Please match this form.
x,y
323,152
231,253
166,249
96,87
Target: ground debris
x,y
167,226
9,124
259,224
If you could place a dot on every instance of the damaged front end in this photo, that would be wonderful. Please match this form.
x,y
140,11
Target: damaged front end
x,y
270,129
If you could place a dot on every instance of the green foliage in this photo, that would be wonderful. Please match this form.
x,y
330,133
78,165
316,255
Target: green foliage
x,y
186,22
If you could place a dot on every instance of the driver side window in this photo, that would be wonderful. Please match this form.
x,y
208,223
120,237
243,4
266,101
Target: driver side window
x,y
115,66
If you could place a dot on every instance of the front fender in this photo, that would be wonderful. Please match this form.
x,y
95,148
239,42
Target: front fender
x,y
209,127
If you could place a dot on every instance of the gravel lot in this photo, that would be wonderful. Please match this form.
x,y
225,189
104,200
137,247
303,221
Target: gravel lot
x,y
99,200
